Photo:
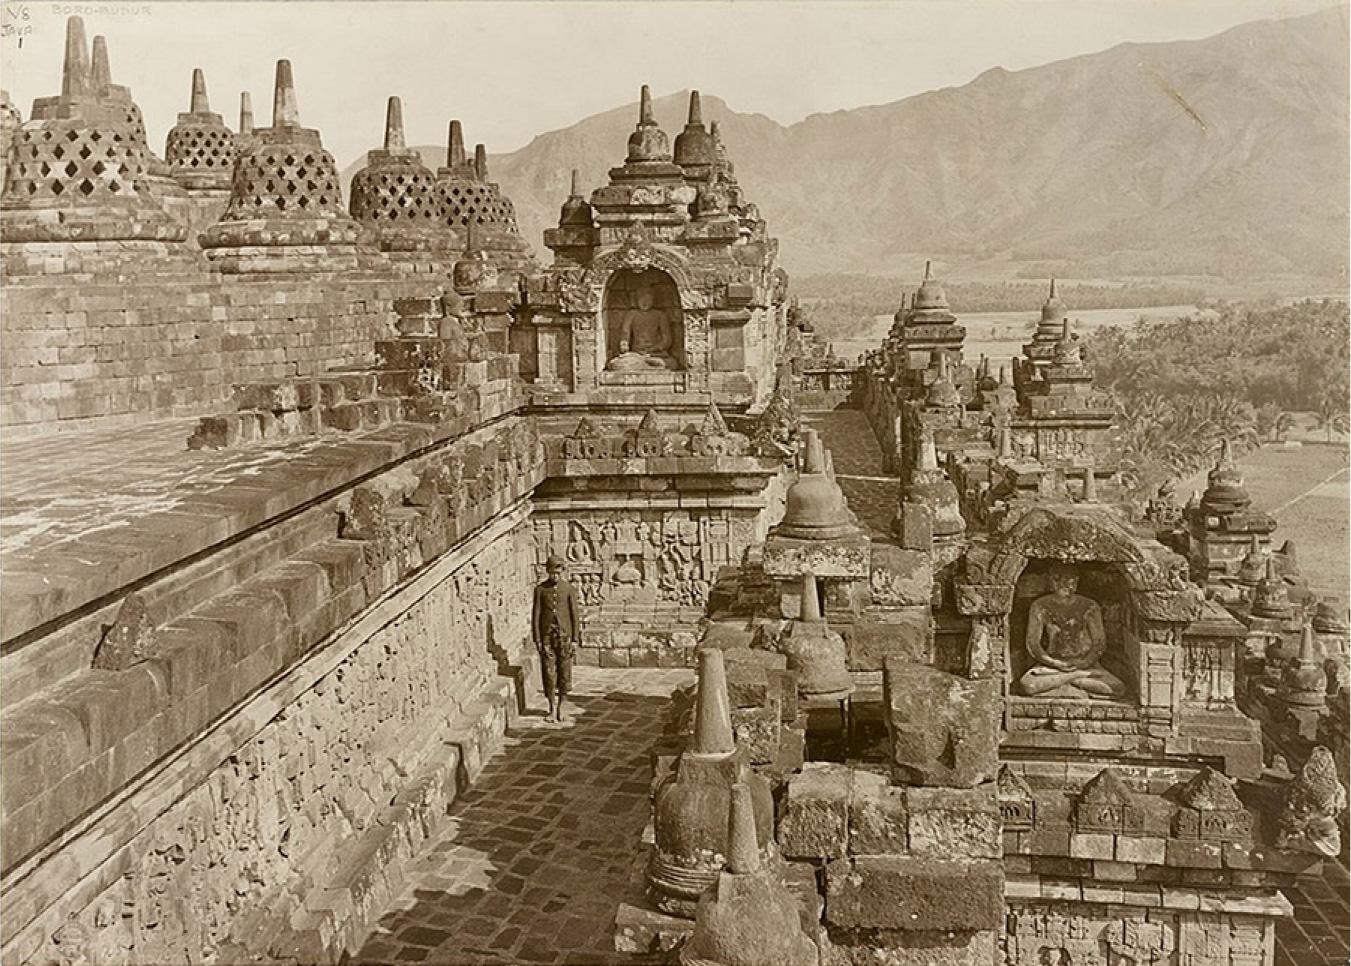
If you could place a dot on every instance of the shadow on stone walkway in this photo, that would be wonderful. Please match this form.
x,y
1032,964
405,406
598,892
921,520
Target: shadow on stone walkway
x,y
533,859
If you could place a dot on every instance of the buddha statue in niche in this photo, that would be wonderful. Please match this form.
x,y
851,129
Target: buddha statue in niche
x,y
645,337
1065,640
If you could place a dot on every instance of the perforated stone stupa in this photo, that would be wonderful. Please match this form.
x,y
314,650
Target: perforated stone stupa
x,y
200,149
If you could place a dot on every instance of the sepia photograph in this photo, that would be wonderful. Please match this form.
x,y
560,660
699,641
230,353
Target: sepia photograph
x,y
675,483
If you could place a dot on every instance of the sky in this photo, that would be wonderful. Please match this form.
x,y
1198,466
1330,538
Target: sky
x,y
511,69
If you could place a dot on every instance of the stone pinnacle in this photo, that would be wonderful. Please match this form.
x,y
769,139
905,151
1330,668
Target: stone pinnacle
x,y
1065,330
1226,452
199,104
712,717
928,453
285,109
928,270
394,140
809,609
645,106
813,458
455,152
743,851
75,70
480,162
696,109
1052,286
576,184
1307,654
1090,485
245,112
1005,443
100,71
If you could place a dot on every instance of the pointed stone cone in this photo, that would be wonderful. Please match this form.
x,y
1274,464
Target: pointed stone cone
x,y
1271,569
1005,443
394,139
100,71
743,851
714,424
1007,381
481,162
199,104
1308,653
1052,295
1065,330
813,458
645,106
75,78
712,717
576,191
1003,376
455,151
245,112
1090,486
928,453
1226,452
285,108
809,610
1288,552
696,109
942,364
928,270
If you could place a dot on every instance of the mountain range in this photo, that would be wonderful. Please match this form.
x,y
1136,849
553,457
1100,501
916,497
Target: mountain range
x,y
1222,158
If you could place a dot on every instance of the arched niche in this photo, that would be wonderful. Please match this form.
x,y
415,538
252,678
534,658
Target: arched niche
x,y
645,305
1106,586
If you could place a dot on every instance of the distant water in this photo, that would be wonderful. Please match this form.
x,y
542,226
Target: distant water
x,y
1001,335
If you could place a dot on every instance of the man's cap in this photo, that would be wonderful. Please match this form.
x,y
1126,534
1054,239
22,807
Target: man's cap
x,y
554,561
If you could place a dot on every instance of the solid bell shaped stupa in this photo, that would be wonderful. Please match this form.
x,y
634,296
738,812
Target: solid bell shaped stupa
x,y
815,507
648,142
814,651
1225,492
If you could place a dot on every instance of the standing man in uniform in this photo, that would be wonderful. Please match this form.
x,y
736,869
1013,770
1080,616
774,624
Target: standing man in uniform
x,y
556,624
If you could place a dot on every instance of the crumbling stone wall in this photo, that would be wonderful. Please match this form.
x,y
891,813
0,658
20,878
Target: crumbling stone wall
x,y
116,351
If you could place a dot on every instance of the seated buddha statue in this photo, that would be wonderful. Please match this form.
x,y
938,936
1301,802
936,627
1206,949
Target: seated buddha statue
x,y
1065,640
644,338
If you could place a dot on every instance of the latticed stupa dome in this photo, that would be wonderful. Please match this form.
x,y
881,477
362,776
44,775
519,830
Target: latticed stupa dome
x,y
284,195
465,193
200,149
395,194
83,154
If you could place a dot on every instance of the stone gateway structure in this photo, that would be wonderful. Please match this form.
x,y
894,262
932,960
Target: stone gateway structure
x,y
283,471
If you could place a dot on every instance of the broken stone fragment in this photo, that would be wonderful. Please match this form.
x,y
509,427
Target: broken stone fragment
x,y
129,640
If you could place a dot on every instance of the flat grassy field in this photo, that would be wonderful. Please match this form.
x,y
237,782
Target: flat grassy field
x,y
1306,489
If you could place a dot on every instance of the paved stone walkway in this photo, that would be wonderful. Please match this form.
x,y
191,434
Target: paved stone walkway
x,y
533,860
1320,933
857,459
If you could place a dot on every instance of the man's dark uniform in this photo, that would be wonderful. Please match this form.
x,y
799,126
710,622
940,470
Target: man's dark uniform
x,y
557,627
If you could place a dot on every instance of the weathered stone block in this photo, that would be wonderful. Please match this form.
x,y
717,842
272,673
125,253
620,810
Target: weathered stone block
x,y
914,894
954,823
905,633
943,729
815,822
877,822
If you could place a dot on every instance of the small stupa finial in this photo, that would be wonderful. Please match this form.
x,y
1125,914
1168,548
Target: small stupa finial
x,y
1052,286
245,112
576,191
813,458
285,108
928,270
928,453
1004,379
455,152
1005,443
100,70
1065,330
480,162
743,851
394,139
1226,453
75,71
1090,485
645,106
199,104
809,608
712,714
696,109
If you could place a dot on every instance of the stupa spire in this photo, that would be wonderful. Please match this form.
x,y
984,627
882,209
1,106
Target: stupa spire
x,y
743,851
928,269
813,458
576,191
696,109
712,716
1005,443
645,106
394,138
100,71
245,112
285,108
1052,295
199,104
455,151
481,162
809,609
75,71
928,453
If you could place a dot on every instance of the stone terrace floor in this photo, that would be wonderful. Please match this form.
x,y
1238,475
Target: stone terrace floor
x,y
534,859
857,459
1320,934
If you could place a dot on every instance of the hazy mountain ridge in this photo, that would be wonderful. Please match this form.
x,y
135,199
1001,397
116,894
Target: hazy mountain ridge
x,y
1224,156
